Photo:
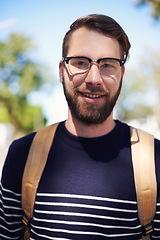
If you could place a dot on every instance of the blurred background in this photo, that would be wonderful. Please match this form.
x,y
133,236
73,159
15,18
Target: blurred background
x,y
31,35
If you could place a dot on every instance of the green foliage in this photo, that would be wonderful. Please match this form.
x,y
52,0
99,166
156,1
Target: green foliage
x,y
155,5
19,75
140,95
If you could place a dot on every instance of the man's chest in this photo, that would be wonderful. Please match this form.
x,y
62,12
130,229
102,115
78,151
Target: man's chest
x,y
79,196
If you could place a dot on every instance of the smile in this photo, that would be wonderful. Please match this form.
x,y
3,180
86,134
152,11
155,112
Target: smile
x,y
89,95
92,95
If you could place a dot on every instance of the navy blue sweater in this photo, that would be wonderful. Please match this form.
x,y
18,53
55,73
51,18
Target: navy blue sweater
x,y
86,191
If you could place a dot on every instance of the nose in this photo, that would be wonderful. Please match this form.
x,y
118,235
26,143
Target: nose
x,y
93,77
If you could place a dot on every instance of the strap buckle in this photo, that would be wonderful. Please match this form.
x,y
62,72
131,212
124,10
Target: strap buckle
x,y
147,229
26,221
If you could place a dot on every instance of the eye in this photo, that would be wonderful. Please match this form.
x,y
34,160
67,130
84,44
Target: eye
x,y
79,63
107,65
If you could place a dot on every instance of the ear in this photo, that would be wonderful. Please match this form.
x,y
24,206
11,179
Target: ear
x,y
123,71
60,71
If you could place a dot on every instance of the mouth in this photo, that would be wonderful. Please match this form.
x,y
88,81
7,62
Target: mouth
x,y
89,95
92,98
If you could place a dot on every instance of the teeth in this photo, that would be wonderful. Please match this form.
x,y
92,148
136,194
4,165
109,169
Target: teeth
x,y
92,95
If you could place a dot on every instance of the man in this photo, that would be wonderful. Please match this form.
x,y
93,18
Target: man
x,y
87,188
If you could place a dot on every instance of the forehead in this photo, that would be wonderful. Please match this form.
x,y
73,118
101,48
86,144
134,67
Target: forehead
x,y
90,43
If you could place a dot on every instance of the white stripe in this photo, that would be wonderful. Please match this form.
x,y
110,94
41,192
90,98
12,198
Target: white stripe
x,y
84,215
10,223
6,237
157,229
55,238
12,231
10,207
44,236
158,212
10,215
85,206
9,191
10,199
156,220
85,197
84,224
86,233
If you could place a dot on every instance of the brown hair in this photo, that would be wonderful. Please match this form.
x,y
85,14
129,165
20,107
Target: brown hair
x,y
103,24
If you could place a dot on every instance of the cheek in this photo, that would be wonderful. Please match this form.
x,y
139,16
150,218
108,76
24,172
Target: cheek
x,y
78,81
72,81
112,84
70,84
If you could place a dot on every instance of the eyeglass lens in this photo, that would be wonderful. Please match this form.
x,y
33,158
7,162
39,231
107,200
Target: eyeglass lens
x,y
107,67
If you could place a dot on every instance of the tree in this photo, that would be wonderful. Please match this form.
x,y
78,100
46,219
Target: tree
x,y
154,4
19,76
141,90
151,64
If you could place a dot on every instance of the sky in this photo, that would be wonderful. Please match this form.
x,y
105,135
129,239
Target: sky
x,y
46,22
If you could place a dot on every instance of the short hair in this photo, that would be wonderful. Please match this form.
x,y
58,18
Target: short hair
x,y
102,24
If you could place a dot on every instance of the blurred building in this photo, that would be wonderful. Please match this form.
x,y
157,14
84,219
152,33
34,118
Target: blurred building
x,y
149,124
6,137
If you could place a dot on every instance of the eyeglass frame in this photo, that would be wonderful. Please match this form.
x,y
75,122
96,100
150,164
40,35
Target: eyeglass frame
x,y
66,59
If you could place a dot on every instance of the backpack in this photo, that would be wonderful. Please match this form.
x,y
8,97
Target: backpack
x,y
142,148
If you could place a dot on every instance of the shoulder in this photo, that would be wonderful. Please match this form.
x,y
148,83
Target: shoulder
x,y
18,153
15,161
157,153
20,147
122,130
157,144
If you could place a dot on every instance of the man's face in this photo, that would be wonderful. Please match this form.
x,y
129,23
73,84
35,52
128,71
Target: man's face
x,y
91,97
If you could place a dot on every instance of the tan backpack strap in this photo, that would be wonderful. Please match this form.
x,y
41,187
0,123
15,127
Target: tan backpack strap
x,y
34,167
142,146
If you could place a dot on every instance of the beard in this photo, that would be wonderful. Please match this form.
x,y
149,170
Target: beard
x,y
86,113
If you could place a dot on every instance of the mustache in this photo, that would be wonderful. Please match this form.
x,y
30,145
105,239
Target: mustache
x,y
91,89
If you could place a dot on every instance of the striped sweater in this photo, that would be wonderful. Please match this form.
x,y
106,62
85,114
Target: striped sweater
x,y
86,191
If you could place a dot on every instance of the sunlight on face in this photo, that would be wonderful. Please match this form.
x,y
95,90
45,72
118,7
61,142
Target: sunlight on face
x,y
91,97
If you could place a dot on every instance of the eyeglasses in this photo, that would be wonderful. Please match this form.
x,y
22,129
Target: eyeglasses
x,y
81,65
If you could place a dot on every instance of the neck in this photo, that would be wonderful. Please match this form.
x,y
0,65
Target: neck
x,y
78,128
